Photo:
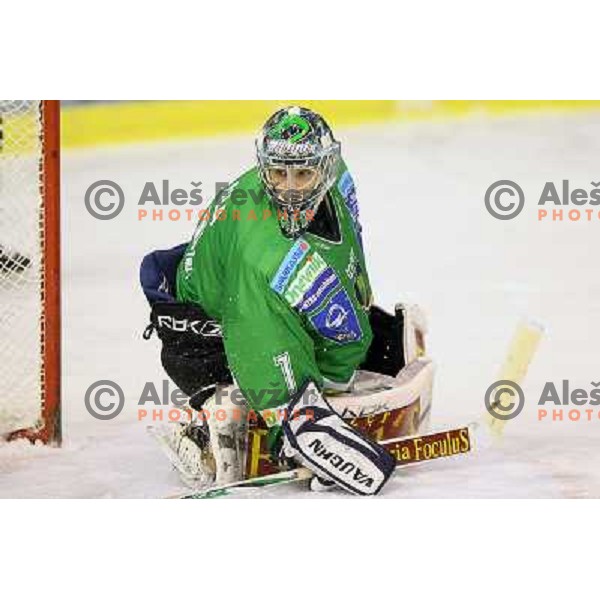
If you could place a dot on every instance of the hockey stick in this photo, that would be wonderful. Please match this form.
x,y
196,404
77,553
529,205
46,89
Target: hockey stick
x,y
407,451
520,354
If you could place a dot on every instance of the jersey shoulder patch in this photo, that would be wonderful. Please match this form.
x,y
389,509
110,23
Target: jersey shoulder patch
x,y
347,190
346,184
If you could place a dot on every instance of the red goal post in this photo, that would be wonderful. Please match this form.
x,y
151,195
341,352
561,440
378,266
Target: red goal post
x,y
30,277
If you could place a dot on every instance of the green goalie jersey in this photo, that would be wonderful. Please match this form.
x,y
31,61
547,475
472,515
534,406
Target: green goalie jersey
x,y
290,310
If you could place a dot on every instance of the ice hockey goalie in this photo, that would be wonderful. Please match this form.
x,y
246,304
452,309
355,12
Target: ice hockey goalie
x,y
267,322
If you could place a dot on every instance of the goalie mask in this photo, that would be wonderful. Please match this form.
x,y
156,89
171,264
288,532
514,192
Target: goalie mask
x,y
297,160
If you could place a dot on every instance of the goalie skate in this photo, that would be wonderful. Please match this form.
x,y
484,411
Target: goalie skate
x,y
186,446
211,449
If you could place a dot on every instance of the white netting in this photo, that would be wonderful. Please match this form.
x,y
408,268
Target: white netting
x,y
21,215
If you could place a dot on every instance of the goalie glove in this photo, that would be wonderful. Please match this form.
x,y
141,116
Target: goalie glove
x,y
192,353
318,438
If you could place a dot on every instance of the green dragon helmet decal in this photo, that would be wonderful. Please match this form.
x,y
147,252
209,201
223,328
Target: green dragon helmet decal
x,y
290,127
296,144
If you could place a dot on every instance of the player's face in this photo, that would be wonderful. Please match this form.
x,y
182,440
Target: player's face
x,y
297,179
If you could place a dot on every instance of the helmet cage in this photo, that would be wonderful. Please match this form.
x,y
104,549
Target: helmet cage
x,y
324,161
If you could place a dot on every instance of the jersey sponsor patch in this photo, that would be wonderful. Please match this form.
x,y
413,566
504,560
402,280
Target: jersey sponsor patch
x,y
315,265
353,266
319,290
288,266
346,184
337,320
348,191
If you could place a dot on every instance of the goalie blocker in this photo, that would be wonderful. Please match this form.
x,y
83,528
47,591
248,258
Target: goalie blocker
x,y
318,438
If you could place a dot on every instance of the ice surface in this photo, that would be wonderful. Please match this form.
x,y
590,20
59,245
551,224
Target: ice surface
x,y
429,240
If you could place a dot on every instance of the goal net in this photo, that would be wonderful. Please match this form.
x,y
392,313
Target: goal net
x,y
29,270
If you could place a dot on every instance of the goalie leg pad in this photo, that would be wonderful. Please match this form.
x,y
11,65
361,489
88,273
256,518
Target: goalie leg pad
x,y
227,423
321,440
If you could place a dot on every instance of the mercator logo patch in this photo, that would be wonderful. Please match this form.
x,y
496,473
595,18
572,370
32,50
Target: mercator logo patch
x,y
337,320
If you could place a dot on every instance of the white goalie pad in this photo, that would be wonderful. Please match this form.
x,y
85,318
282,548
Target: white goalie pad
x,y
415,329
373,398
227,423
373,394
